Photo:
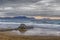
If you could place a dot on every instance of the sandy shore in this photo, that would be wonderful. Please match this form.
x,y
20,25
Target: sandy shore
x,y
3,36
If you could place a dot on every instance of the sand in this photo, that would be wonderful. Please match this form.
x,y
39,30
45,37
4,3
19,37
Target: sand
x,y
4,36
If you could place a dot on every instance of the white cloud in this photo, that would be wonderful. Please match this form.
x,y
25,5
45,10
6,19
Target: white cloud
x,y
7,8
47,4
45,1
54,7
25,8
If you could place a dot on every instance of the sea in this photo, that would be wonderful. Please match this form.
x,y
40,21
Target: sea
x,y
41,27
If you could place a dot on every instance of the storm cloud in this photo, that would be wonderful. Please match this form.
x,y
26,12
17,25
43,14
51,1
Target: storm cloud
x,y
30,7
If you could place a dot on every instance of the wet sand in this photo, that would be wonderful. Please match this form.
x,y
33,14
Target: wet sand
x,y
6,36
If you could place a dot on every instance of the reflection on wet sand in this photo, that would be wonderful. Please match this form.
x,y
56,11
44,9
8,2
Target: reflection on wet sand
x,y
31,31
22,28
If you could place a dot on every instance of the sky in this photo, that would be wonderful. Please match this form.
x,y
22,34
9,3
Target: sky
x,y
29,8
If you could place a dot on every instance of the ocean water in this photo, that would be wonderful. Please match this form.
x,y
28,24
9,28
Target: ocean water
x,y
41,28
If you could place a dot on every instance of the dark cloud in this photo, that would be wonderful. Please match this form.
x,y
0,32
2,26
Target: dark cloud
x,y
17,1
30,7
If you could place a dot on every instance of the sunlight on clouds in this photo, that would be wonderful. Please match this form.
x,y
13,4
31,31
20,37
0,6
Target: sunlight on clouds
x,y
38,17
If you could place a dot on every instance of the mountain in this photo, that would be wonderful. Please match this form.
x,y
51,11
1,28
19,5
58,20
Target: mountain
x,y
19,17
23,17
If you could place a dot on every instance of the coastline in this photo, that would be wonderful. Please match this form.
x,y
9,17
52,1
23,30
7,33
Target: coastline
x,y
3,36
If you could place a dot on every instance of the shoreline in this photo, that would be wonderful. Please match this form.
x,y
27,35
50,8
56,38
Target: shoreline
x,y
3,36
7,37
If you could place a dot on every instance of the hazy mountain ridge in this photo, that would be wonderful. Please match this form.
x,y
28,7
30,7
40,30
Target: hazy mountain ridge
x,y
17,17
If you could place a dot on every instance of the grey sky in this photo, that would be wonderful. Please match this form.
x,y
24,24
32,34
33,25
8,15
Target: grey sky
x,y
30,7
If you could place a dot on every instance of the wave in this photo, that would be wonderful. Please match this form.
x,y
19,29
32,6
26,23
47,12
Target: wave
x,y
35,25
39,29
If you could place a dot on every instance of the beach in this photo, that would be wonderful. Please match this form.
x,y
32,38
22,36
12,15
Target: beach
x,y
14,36
38,32
21,37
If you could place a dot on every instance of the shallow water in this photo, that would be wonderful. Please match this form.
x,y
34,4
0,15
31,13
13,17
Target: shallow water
x,y
38,30
34,32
